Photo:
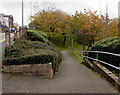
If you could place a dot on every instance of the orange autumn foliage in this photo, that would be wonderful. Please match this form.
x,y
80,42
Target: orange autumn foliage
x,y
95,25
54,23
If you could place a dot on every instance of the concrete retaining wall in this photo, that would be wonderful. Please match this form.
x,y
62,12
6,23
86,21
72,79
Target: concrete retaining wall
x,y
104,72
44,70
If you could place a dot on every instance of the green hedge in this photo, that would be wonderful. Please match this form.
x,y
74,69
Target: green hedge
x,y
35,35
108,45
31,52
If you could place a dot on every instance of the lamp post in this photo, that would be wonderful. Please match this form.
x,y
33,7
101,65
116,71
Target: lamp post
x,y
22,13
30,8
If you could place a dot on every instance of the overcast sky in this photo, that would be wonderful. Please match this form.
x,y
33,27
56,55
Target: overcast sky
x,y
14,7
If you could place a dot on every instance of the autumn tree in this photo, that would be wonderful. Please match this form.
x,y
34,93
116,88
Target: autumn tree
x,y
96,26
53,22
109,29
88,23
93,26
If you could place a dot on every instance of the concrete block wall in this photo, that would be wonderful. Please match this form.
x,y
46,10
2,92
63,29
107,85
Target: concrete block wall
x,y
44,70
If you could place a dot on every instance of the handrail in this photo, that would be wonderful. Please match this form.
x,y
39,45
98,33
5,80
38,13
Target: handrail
x,y
99,52
118,68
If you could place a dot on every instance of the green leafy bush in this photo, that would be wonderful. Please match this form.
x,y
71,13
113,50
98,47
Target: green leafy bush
x,y
108,45
31,52
35,35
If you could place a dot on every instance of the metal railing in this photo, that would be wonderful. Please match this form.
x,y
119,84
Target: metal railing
x,y
86,55
98,60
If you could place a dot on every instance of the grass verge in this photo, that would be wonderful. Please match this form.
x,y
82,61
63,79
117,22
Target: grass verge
x,y
78,56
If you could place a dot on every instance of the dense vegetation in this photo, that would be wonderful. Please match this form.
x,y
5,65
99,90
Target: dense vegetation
x,y
35,35
65,31
61,26
108,45
54,23
32,51
83,28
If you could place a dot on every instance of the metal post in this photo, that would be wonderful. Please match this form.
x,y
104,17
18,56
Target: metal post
x,y
72,40
6,38
97,56
9,30
87,55
9,38
22,17
30,9
72,43
119,74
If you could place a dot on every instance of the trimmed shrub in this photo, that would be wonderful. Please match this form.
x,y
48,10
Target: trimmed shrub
x,y
108,45
35,35
31,52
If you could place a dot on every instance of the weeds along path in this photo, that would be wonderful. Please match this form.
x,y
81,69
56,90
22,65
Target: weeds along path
x,y
72,77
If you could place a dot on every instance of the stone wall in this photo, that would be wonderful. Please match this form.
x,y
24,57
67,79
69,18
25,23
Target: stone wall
x,y
44,70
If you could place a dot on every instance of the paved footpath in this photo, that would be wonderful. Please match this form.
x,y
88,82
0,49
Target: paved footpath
x,y
72,77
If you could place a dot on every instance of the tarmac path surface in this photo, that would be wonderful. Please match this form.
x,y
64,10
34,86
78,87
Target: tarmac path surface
x,y
72,77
